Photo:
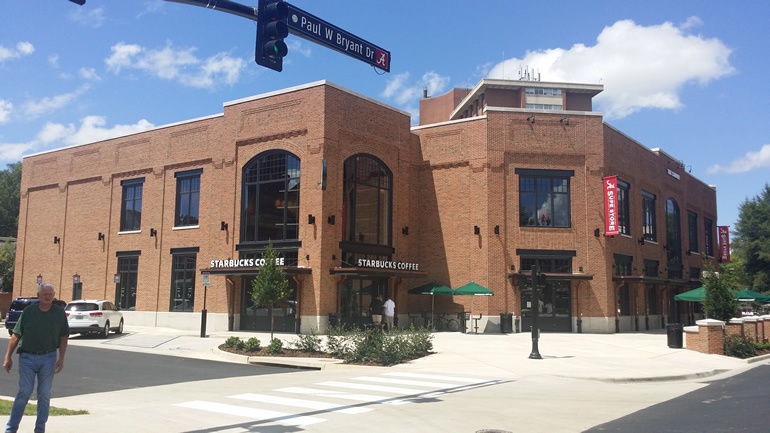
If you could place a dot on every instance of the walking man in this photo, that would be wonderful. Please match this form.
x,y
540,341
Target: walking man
x,y
389,308
40,331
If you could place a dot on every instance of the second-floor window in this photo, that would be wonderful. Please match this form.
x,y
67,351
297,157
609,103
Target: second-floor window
x,y
367,201
271,198
188,194
648,217
624,214
131,205
692,231
544,198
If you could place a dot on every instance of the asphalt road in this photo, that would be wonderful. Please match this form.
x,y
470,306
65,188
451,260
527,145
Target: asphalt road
x,y
88,370
734,404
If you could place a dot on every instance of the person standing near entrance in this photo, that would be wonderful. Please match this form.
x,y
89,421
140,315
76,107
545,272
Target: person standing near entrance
x,y
40,331
375,309
389,310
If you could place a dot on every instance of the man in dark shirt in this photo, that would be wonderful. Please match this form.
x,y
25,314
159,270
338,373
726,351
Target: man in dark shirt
x,y
40,331
375,308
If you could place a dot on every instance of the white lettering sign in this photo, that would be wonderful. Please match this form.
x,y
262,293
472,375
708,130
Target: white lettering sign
x,y
387,264
244,263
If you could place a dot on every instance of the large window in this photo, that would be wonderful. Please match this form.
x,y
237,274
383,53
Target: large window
x,y
624,214
692,231
673,239
270,209
183,279
648,217
544,198
708,228
128,268
367,201
188,195
131,205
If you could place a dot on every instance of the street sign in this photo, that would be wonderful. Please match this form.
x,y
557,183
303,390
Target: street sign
x,y
310,27
205,278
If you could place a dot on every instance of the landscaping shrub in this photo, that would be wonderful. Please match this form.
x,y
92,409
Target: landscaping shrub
x,y
252,344
308,343
739,347
235,343
275,347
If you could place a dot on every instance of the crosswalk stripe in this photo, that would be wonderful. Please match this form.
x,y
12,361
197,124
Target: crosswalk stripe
x,y
333,394
438,377
295,402
406,382
255,414
389,389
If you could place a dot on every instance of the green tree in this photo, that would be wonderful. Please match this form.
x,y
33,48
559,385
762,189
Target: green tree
x,y
751,239
733,273
720,302
10,193
270,285
7,260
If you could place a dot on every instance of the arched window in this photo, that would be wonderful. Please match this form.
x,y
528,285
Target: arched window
x,y
673,239
270,206
367,201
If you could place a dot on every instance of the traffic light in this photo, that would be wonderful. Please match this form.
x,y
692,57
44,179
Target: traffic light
x,y
272,27
80,2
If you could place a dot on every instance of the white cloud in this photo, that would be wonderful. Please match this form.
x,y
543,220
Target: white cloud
x,y
640,66
5,110
402,91
21,49
56,135
175,64
92,17
53,103
748,162
89,74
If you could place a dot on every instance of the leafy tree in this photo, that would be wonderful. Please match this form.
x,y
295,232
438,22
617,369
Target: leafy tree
x,y
10,193
720,302
733,273
752,239
270,285
7,260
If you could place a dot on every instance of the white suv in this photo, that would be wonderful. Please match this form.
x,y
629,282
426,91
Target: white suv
x,y
90,316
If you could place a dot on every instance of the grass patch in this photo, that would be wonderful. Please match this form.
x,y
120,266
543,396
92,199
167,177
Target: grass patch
x,y
31,409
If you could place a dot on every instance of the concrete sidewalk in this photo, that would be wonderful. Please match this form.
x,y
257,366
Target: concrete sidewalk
x,y
626,357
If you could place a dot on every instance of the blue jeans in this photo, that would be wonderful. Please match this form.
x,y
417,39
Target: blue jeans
x,y
30,365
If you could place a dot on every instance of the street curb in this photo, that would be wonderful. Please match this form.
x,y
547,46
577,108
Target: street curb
x,y
672,378
282,361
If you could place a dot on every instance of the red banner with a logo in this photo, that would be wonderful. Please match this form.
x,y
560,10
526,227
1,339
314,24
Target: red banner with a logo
x,y
724,243
611,206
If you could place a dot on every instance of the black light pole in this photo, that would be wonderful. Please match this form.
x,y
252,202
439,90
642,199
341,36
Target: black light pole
x,y
536,308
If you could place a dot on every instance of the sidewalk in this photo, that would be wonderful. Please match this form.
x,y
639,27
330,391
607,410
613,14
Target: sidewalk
x,y
626,357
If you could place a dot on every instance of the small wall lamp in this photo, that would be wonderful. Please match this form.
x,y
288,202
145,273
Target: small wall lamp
x,y
100,237
331,219
223,226
405,231
597,233
531,119
56,240
564,120
310,219
641,240
153,233
497,230
476,230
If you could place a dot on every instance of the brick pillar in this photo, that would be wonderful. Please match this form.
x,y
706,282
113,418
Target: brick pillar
x,y
714,332
750,328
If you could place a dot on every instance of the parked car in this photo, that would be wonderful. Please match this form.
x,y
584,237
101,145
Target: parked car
x,y
18,305
94,317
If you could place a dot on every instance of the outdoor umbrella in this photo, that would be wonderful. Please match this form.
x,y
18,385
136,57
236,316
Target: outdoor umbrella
x,y
748,295
694,295
433,288
473,289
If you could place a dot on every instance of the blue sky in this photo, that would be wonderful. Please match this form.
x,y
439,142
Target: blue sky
x,y
688,77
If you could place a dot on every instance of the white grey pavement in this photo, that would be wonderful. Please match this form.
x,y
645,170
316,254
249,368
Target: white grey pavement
x,y
471,382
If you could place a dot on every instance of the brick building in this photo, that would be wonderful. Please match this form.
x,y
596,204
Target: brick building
x,y
494,180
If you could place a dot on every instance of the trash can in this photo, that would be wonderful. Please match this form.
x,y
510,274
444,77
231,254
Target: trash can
x,y
506,323
333,320
674,332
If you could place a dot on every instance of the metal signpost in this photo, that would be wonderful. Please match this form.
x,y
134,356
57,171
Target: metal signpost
x,y
205,278
536,309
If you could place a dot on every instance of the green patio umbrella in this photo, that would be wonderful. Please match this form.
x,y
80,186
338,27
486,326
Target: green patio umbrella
x,y
433,288
694,295
473,289
748,295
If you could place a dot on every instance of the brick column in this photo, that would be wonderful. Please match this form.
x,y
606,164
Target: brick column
x,y
714,333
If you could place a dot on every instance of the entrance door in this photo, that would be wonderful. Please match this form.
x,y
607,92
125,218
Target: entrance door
x,y
285,313
554,308
355,295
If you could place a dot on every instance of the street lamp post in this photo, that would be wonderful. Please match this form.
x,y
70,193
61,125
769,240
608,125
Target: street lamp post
x,y
536,308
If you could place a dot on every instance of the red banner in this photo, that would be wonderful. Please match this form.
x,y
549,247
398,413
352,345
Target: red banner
x,y
611,206
724,243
